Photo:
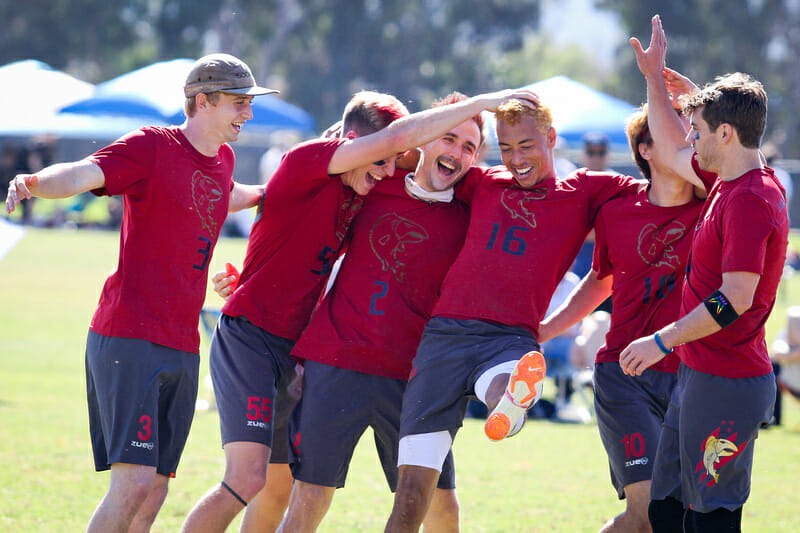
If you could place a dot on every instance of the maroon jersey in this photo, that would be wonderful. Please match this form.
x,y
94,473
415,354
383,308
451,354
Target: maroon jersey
x,y
372,319
743,228
520,243
175,200
295,240
646,248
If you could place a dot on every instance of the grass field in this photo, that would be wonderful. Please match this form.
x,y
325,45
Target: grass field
x,y
550,478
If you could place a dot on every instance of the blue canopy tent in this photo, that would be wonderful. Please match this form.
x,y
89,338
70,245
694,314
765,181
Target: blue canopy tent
x,y
156,91
579,109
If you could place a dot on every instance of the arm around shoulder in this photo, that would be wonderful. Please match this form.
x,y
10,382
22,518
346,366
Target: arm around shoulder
x,y
244,196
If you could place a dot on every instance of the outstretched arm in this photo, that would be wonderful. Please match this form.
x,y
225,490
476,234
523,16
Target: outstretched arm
x,y
583,299
418,129
61,180
665,126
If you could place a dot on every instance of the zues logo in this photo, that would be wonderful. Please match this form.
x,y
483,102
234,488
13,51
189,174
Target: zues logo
x,y
656,244
389,238
205,194
520,202
717,452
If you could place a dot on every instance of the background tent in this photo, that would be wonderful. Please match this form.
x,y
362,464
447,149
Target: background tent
x,y
577,109
156,92
34,92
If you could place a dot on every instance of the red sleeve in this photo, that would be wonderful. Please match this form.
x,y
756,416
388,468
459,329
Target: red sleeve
x,y
126,163
745,238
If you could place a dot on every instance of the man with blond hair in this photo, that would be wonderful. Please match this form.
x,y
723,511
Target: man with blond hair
x,y
482,339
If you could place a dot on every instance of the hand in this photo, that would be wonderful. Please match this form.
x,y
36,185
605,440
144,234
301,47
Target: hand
x,y
20,189
526,97
678,85
334,130
651,62
225,282
639,355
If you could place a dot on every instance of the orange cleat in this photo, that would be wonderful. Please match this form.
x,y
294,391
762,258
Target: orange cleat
x,y
523,389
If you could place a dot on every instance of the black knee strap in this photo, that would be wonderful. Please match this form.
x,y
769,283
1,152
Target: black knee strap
x,y
229,489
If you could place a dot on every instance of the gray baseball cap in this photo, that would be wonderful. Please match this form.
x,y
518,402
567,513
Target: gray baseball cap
x,y
222,72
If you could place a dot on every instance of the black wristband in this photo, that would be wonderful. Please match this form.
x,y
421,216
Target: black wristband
x,y
721,309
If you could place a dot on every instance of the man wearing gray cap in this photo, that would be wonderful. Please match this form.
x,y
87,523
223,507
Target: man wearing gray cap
x,y
142,350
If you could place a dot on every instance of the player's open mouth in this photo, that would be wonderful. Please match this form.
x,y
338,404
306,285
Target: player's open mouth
x,y
238,126
447,167
523,172
372,179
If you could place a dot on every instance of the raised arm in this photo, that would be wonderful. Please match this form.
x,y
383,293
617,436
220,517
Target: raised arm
x,y
583,299
666,128
61,180
418,129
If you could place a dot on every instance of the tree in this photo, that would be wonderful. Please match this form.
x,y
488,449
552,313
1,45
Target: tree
x,y
708,38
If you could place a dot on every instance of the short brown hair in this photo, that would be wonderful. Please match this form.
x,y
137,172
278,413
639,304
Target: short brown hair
x,y
455,97
736,99
512,111
370,111
638,131
190,104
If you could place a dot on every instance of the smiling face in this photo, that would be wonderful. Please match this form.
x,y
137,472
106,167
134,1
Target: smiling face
x,y
445,160
363,179
229,113
526,150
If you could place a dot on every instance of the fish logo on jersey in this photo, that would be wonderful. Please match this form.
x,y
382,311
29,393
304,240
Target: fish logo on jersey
x,y
390,237
656,244
205,194
347,212
717,451
519,202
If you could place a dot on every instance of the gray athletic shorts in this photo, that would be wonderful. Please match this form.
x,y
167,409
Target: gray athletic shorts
x,y
705,453
337,407
141,401
452,355
630,411
248,368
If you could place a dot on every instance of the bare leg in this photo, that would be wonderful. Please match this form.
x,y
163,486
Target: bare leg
x,y
265,511
634,519
245,473
307,507
415,488
147,513
129,488
442,515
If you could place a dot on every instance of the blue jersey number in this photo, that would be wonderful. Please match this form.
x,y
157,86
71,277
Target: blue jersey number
x,y
325,257
512,244
383,288
665,285
205,252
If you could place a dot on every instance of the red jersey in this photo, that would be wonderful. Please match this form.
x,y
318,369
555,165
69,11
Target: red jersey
x,y
521,242
298,231
372,319
175,200
646,248
744,227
